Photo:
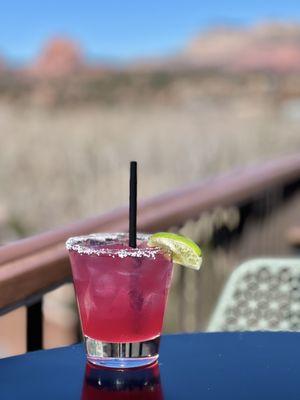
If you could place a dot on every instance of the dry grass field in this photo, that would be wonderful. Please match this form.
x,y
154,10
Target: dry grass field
x,y
65,162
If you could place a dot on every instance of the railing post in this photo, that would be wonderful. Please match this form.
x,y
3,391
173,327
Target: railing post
x,y
34,329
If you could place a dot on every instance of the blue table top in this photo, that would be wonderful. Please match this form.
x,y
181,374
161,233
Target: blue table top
x,y
192,366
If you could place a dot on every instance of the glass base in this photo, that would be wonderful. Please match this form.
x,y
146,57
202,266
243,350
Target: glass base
x,y
121,355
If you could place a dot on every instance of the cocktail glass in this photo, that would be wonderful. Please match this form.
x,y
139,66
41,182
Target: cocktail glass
x,y
121,296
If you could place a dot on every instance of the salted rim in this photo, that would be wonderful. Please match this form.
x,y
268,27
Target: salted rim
x,y
79,245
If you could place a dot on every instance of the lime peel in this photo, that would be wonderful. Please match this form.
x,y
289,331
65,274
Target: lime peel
x,y
184,250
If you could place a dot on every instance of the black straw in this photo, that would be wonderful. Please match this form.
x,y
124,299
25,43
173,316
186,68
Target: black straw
x,y
132,203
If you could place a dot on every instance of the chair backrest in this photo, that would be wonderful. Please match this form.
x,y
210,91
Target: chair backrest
x,y
261,294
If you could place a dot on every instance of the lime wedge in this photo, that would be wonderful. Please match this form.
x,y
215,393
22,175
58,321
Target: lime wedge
x,y
184,250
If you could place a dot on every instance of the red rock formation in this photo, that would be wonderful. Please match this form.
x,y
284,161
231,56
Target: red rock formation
x,y
269,46
276,58
60,57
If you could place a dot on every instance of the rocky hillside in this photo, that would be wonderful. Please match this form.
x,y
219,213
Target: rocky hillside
x,y
59,57
269,46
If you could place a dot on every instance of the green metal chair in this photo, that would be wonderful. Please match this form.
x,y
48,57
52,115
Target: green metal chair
x,y
261,294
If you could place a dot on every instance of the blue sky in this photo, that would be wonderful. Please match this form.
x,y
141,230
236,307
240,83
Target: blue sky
x,y
121,30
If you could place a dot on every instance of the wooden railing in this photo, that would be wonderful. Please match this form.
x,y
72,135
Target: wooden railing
x,y
31,267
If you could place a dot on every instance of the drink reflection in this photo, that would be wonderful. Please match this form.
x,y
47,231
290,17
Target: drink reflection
x,y
134,384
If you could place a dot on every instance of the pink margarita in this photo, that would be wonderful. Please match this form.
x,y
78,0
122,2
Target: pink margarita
x,y
121,294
